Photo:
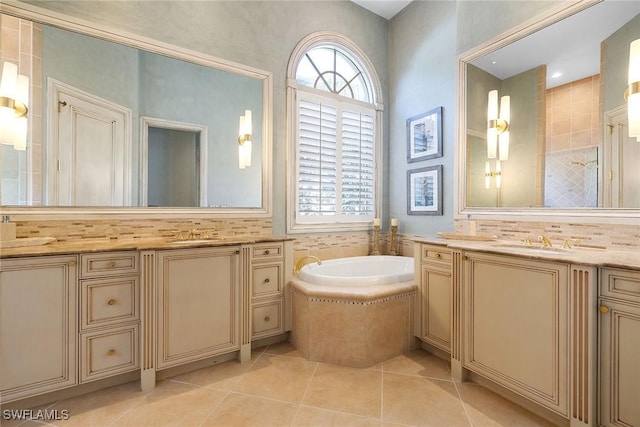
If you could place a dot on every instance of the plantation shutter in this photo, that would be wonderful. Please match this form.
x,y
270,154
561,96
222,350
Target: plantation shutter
x,y
336,161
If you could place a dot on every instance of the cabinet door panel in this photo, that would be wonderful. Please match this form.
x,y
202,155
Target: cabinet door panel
x,y
38,325
436,307
620,365
198,304
516,318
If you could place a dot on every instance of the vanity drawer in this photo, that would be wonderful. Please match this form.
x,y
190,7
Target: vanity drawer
x,y
267,319
267,251
435,253
105,302
108,263
267,280
619,283
107,353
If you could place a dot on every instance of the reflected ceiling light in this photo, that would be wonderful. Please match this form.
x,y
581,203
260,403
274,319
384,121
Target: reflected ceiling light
x,y
632,94
244,140
488,174
556,75
14,97
498,126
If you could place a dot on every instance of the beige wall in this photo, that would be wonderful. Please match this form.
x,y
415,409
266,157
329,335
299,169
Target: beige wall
x,y
573,115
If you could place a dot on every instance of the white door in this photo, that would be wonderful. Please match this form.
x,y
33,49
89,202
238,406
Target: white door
x,y
621,160
88,150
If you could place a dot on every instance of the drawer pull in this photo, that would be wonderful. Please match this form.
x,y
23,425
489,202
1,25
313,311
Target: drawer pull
x,y
111,302
267,318
267,280
111,264
438,256
266,252
111,352
604,309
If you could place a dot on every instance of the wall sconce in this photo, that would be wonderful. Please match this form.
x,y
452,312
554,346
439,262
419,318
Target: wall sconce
x,y
632,94
244,140
488,174
14,97
498,126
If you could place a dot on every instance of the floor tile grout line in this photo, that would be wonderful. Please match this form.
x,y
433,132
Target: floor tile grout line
x,y
382,372
306,390
464,406
215,407
144,399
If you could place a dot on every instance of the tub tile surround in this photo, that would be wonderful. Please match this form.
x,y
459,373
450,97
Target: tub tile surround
x,y
411,390
380,323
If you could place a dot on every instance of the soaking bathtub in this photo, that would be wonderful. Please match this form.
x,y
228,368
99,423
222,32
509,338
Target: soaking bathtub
x,y
354,311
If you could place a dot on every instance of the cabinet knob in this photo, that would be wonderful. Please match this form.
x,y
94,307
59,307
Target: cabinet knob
x,y
111,302
267,280
111,264
267,318
604,309
72,263
438,256
111,352
266,252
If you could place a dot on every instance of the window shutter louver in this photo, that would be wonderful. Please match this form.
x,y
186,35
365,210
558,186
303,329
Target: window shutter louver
x,y
336,161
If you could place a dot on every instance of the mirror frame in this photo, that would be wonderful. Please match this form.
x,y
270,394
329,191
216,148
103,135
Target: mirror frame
x,y
592,215
81,26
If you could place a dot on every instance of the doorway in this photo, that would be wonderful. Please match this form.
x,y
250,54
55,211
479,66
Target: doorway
x,y
174,164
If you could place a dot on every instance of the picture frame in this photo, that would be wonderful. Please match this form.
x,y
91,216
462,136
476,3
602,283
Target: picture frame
x,y
424,136
424,191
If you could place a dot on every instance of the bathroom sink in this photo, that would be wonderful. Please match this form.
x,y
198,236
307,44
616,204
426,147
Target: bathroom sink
x,y
533,249
26,242
191,241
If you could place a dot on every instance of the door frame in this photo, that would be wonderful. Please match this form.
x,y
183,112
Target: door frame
x,y
54,89
145,123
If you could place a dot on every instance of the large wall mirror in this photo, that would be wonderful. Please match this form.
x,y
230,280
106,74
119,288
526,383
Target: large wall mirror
x,y
568,145
122,124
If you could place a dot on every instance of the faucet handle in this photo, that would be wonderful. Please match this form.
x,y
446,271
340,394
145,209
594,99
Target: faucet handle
x,y
566,244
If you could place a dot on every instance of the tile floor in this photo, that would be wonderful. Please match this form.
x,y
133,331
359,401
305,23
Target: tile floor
x,y
280,388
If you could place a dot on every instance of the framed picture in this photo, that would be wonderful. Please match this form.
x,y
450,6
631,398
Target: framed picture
x,y
424,191
424,136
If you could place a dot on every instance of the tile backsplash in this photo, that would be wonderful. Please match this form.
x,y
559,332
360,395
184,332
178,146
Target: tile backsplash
x,y
612,236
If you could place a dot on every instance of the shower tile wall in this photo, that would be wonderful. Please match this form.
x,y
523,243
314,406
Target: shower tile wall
x,y
571,178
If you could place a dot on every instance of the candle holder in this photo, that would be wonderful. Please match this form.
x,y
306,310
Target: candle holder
x,y
376,240
394,238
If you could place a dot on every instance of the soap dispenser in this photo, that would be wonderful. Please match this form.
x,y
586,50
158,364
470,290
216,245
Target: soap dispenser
x,y
7,229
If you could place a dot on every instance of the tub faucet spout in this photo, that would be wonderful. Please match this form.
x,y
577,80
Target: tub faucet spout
x,y
304,261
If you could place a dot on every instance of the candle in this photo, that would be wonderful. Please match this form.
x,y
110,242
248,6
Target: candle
x,y
394,222
376,222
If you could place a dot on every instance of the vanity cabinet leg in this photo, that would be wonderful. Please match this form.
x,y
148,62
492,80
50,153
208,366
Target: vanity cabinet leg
x,y
245,353
147,379
458,373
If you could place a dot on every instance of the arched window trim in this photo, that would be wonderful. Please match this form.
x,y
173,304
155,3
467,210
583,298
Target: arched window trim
x,y
343,43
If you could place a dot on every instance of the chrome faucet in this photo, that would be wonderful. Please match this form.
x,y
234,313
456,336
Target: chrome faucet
x,y
545,241
304,261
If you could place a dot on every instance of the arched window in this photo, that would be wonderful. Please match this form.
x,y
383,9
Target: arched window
x,y
334,138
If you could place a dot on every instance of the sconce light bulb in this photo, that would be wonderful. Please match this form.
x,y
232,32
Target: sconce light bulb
x,y
633,107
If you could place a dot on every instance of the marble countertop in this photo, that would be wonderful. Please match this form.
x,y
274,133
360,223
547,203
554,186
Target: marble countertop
x,y
101,245
576,255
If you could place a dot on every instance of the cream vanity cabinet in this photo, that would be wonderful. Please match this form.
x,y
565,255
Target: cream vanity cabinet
x,y
515,319
433,314
619,346
109,292
269,274
39,325
198,304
